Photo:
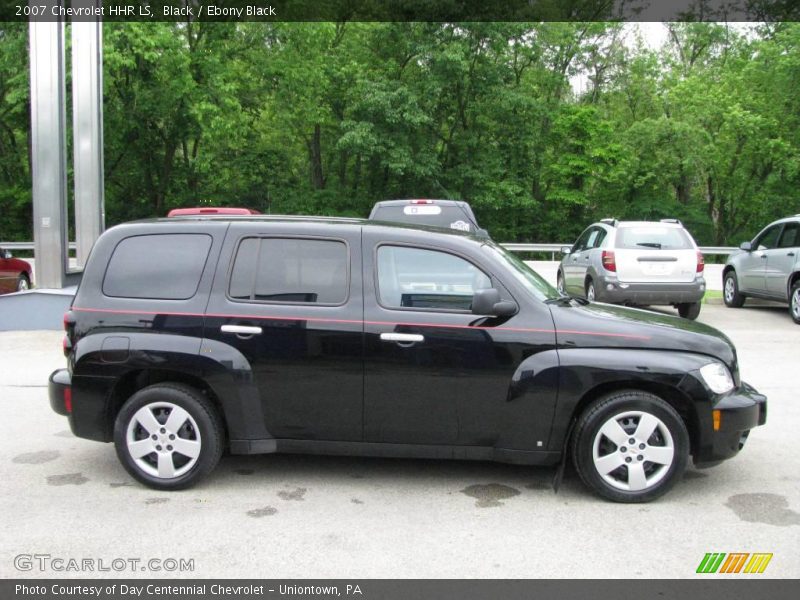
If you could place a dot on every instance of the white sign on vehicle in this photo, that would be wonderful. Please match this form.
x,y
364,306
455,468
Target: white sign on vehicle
x,y
422,209
460,225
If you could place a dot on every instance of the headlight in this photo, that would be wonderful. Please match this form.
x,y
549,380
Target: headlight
x,y
717,377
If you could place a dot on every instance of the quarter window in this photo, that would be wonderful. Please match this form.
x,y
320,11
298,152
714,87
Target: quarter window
x,y
159,266
290,270
427,279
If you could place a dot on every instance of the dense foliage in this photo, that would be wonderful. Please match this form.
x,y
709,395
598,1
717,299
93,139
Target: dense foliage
x,y
327,118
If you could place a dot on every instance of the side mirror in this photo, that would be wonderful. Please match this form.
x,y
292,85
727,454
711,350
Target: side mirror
x,y
6,254
565,250
746,246
488,302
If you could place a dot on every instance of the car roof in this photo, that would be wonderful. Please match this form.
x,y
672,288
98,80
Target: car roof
x,y
648,224
430,229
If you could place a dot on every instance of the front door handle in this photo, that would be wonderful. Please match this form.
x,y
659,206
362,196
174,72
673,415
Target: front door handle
x,y
790,254
241,329
402,338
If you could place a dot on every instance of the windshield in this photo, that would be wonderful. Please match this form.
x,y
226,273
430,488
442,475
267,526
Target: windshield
x,y
529,278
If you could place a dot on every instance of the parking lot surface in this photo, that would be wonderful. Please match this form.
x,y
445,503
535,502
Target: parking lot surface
x,y
282,516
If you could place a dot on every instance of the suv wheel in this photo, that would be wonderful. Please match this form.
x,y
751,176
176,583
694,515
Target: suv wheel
x,y
23,283
730,291
689,310
794,302
591,292
168,436
630,446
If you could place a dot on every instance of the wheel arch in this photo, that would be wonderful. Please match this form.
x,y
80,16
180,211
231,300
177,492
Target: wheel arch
x,y
673,396
138,379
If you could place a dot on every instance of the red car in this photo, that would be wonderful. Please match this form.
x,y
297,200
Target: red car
x,y
15,274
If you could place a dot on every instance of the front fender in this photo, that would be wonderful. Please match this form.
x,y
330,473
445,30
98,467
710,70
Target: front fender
x,y
590,372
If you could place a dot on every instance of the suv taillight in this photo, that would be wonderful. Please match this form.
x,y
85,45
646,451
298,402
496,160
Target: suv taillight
x,y
69,321
609,262
701,262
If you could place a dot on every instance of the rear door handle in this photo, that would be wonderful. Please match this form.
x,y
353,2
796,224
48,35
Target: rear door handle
x,y
402,338
241,329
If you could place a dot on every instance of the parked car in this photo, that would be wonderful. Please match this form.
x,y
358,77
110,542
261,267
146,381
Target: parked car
x,y
768,267
211,210
635,262
451,214
345,336
16,275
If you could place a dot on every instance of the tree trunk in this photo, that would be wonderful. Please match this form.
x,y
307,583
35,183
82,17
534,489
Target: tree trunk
x,y
315,158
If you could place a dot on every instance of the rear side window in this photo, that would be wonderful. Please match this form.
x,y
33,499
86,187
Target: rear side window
x,y
790,238
303,271
159,266
643,238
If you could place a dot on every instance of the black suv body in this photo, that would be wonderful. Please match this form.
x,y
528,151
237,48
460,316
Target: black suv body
x,y
193,335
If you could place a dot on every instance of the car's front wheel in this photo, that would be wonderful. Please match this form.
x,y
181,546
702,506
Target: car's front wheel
x,y
730,291
689,310
23,283
168,436
560,283
630,446
794,302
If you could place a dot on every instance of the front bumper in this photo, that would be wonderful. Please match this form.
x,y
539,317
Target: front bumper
x,y
615,291
740,411
59,389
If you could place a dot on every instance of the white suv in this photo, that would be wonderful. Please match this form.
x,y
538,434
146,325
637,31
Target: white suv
x,y
635,262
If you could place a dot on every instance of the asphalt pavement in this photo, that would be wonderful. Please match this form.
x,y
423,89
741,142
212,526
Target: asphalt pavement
x,y
311,516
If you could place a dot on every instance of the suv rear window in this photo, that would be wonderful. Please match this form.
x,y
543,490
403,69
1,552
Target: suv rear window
x,y
157,266
436,215
643,237
290,270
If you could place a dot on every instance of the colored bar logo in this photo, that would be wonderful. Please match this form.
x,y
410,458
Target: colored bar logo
x,y
734,562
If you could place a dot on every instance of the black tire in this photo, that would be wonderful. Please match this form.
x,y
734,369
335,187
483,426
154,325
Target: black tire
x,y
202,425
560,283
607,409
732,297
591,289
689,310
23,283
794,302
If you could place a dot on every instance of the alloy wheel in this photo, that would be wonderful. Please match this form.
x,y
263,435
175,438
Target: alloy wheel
x,y
163,440
633,451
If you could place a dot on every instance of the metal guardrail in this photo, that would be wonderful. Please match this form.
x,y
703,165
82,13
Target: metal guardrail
x,y
552,248
26,245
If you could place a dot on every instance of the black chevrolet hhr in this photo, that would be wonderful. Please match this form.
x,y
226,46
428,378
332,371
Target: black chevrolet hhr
x,y
190,336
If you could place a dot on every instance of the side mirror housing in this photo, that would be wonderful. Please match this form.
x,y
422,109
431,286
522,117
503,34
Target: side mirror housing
x,y
565,250
488,302
746,246
6,254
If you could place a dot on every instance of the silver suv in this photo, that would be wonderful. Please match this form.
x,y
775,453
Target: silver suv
x,y
768,267
635,262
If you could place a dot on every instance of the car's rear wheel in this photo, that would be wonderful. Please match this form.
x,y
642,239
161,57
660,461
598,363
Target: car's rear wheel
x,y
168,436
730,291
23,283
630,446
689,310
794,302
591,291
